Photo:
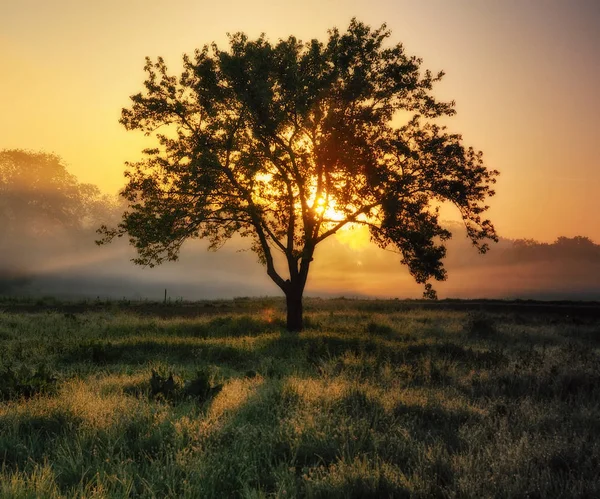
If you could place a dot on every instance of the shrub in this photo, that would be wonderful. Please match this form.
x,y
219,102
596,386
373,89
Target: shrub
x,y
25,382
174,389
480,325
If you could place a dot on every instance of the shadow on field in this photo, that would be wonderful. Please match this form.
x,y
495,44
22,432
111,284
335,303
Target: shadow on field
x,y
40,431
143,351
183,342
516,368
219,327
432,424
258,446
564,386
171,342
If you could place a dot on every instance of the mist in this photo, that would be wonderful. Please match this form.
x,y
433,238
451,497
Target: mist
x,y
567,269
48,223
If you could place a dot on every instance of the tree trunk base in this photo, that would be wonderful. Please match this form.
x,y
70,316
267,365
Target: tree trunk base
x,y
295,321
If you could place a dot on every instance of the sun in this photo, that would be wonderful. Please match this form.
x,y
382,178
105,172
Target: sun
x,y
327,210
354,236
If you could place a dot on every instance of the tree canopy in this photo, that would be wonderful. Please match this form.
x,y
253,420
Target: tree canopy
x,y
45,213
39,196
286,143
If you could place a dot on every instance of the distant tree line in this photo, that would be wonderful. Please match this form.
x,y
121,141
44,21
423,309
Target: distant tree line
x,y
520,251
38,196
44,211
578,247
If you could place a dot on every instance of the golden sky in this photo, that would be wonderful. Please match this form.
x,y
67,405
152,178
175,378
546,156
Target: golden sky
x,y
524,75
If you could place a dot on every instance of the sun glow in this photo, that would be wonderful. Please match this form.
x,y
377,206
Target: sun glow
x,y
320,207
354,236
327,210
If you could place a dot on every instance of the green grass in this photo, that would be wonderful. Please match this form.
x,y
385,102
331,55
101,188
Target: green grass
x,y
373,399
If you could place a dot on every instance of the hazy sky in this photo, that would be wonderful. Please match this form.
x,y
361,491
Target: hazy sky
x,y
524,75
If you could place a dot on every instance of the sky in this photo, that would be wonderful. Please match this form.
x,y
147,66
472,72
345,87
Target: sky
x,y
524,75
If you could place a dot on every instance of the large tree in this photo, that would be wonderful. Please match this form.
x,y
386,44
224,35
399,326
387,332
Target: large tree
x,y
287,143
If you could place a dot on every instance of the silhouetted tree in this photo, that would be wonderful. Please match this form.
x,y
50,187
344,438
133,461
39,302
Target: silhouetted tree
x,y
287,143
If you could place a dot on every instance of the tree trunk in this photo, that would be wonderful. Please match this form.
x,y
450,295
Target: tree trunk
x,y
293,299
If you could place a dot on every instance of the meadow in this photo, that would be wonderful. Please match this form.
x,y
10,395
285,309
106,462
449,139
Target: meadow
x,y
372,399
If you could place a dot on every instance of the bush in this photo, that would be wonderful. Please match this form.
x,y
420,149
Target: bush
x,y
480,325
25,382
172,387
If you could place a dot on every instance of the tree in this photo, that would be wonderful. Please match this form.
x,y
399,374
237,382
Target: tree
x,y
38,196
287,143
44,212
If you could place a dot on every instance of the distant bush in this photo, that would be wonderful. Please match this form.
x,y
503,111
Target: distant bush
x,y
164,387
95,351
480,325
174,389
25,382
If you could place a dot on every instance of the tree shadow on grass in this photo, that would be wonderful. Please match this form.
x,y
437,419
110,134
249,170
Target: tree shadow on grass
x,y
568,385
352,429
324,348
228,326
434,424
257,447
379,340
282,354
144,351
423,363
31,437
217,327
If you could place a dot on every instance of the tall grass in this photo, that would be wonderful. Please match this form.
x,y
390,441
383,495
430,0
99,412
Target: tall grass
x,y
371,400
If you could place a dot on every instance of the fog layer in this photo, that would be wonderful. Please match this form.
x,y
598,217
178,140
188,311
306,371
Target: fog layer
x,y
47,233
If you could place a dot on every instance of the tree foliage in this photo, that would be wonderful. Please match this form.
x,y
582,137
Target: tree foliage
x,y
38,196
286,143
45,213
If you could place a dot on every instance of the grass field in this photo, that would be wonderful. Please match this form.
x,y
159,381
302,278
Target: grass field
x,y
373,399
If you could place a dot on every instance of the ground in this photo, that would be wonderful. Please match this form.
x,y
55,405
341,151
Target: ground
x,y
373,399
